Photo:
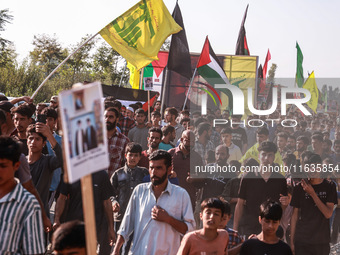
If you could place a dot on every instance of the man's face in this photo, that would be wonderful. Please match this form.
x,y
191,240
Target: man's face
x,y
326,147
267,158
158,105
129,114
337,148
7,170
167,117
188,142
154,139
211,218
185,124
71,251
261,138
155,119
110,120
132,159
123,111
269,227
291,143
281,142
158,171
21,122
221,156
35,143
54,104
173,136
226,138
51,122
235,120
140,118
300,146
316,144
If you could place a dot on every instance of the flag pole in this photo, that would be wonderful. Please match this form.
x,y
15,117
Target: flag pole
x,y
55,69
192,80
141,78
121,78
164,90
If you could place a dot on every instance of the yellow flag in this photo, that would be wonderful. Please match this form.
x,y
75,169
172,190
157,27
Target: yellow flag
x,y
310,84
139,33
134,76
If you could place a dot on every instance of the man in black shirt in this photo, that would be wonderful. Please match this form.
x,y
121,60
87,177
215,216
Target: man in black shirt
x,y
315,199
258,186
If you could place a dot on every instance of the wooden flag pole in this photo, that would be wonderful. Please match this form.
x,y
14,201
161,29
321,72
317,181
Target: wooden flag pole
x,y
191,82
55,69
149,118
164,90
89,217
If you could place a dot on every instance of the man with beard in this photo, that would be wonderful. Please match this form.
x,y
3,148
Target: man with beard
x,y
184,160
157,224
154,139
116,140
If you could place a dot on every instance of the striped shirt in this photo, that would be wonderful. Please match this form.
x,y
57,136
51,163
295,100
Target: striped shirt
x,y
21,227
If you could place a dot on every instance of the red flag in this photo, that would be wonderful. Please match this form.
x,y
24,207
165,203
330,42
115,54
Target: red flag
x,y
268,57
264,72
152,100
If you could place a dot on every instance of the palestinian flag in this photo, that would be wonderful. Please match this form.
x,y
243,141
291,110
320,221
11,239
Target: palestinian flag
x,y
211,70
209,67
242,45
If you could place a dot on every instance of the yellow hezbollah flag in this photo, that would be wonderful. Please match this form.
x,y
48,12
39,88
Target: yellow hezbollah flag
x,y
310,84
139,33
134,76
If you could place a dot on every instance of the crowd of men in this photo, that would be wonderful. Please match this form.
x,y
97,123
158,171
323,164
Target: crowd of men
x,y
163,192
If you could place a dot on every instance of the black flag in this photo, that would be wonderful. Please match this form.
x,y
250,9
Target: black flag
x,y
179,56
242,45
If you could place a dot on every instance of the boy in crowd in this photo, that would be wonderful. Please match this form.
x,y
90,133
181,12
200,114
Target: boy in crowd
x,y
267,242
139,133
313,201
234,150
69,239
123,181
20,214
235,240
169,135
209,239
41,165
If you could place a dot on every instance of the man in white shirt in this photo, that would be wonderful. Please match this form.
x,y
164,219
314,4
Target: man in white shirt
x,y
158,213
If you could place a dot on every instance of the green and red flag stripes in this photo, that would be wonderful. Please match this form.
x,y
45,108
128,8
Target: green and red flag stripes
x,y
209,67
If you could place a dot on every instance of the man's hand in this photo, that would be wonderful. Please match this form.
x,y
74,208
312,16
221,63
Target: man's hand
x,y
284,200
47,224
307,187
115,206
56,225
159,214
43,129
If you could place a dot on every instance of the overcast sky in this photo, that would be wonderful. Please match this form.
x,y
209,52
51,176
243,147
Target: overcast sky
x,y
276,25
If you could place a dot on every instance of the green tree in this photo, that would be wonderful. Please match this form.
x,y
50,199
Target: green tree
x,y
7,52
47,52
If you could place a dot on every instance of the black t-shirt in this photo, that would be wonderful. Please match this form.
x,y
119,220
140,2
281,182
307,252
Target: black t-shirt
x,y
102,190
257,247
239,137
312,226
255,190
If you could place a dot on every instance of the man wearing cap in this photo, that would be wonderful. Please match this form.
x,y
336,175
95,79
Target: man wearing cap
x,y
54,102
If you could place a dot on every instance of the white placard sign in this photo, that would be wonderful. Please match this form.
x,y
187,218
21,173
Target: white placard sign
x,y
84,132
